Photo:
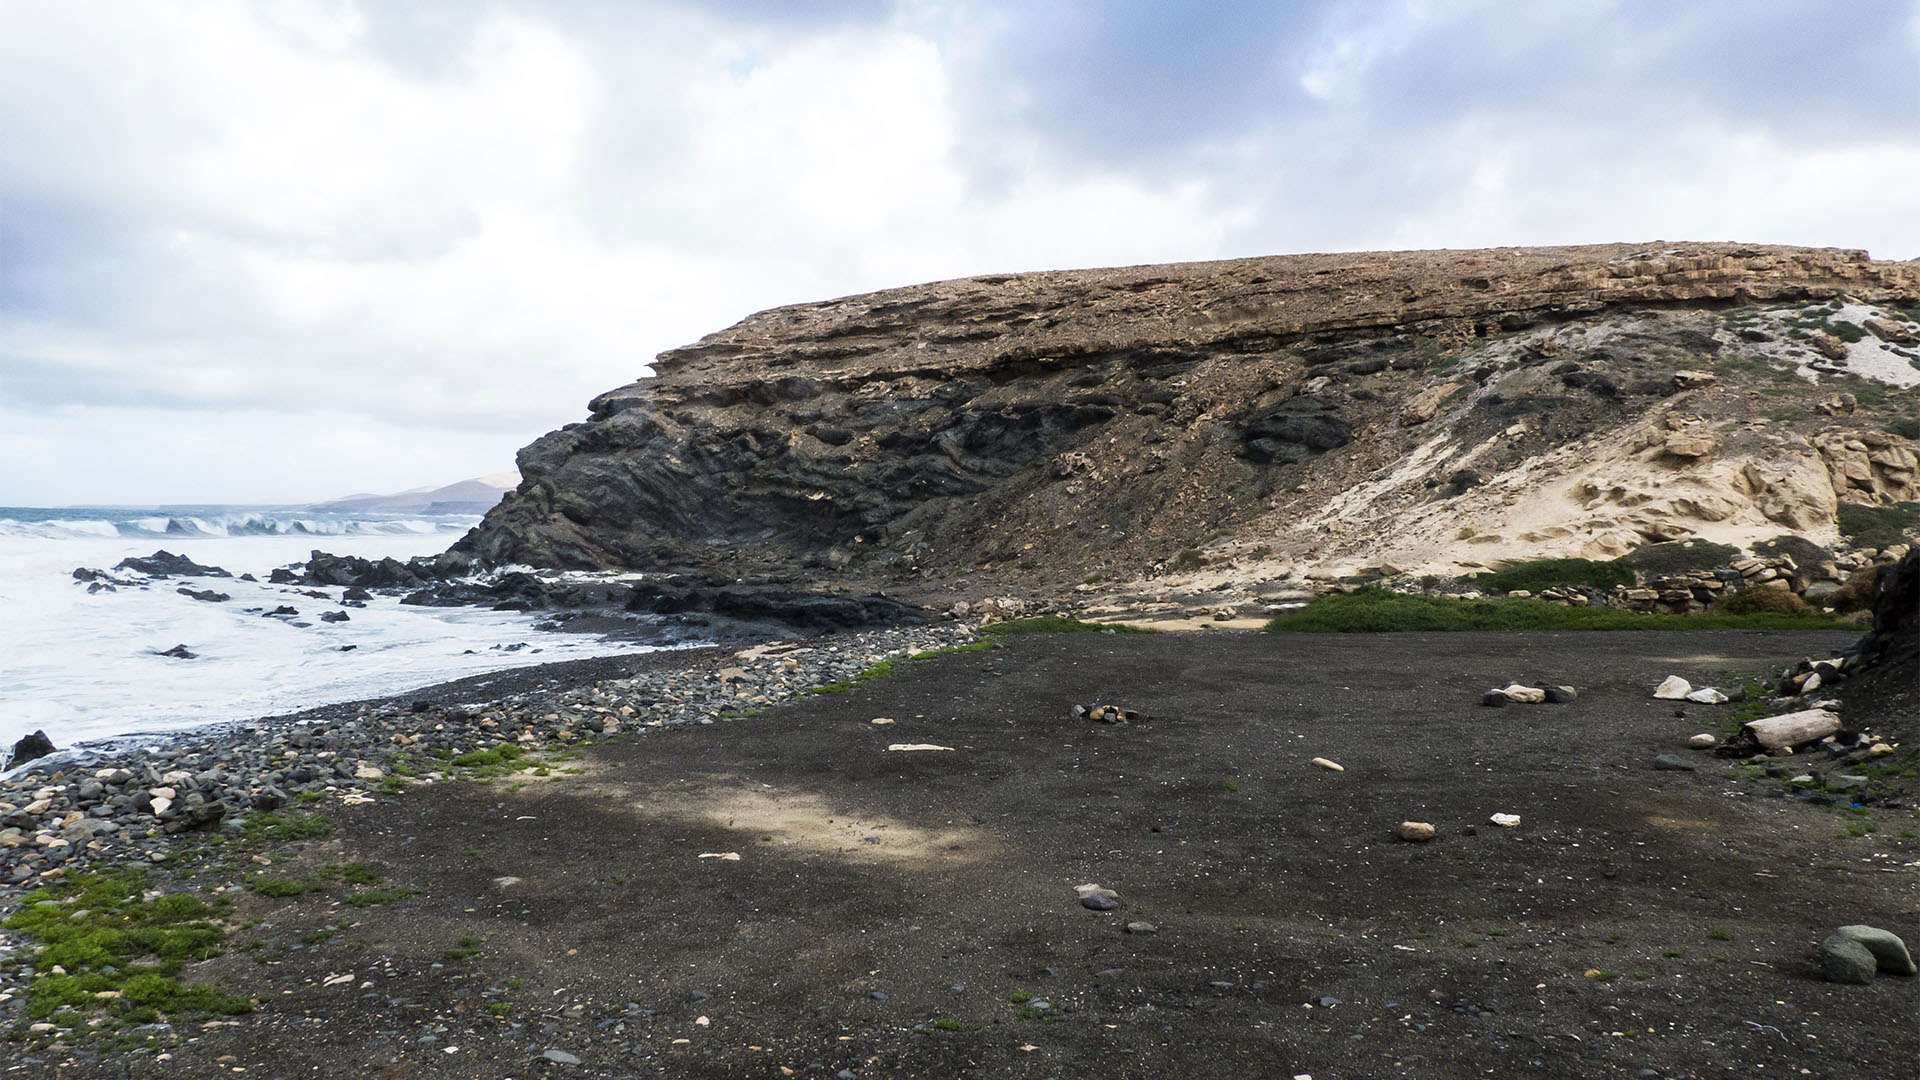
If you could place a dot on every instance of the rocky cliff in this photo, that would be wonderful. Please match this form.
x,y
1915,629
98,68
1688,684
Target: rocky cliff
x,y
1260,419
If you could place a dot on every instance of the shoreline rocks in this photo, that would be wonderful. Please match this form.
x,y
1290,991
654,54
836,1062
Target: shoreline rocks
x,y
129,797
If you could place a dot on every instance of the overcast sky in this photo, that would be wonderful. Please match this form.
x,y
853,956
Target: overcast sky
x,y
283,250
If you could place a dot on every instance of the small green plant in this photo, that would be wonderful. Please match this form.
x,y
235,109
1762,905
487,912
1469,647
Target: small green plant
x,y
948,1023
1606,976
279,887
272,827
1230,785
1187,559
311,797
500,1008
1719,933
369,897
1020,997
467,948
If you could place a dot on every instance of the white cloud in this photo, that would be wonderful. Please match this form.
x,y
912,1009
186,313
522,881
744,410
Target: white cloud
x,y
438,229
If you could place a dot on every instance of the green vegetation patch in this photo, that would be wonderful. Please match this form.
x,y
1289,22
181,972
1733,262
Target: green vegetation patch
x,y
1681,557
1060,624
1877,526
1547,573
886,667
357,874
121,951
1376,610
274,827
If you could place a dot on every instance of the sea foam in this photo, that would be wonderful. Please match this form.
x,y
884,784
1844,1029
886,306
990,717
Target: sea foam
x,y
84,665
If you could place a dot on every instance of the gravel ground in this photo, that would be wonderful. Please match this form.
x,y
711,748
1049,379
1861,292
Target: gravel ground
x,y
782,894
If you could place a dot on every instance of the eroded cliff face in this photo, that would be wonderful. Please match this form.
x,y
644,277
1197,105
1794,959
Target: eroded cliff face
x,y
1319,414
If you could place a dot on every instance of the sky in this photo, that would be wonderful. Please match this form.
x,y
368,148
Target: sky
x,y
283,250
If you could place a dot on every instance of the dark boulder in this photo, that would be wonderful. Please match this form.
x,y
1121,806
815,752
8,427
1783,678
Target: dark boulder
x,y
30,748
208,595
178,652
388,573
167,564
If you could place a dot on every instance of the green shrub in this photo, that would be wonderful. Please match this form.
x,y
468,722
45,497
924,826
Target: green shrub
x,y
1801,550
1762,601
1876,526
1846,331
1547,573
1376,610
1904,426
1682,557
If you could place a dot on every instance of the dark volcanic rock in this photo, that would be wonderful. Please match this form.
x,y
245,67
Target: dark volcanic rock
x,y
782,606
30,748
351,570
167,564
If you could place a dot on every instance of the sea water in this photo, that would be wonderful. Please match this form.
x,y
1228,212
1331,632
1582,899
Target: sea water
x,y
85,666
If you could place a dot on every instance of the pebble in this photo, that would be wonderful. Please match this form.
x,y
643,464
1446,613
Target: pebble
x,y
560,1057
1418,832
1142,928
1703,741
1671,763
1332,766
1505,821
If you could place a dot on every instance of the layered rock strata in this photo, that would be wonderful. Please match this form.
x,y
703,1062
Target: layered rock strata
x,y
1424,411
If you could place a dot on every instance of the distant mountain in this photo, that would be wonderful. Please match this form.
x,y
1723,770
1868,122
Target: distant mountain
x,y
475,496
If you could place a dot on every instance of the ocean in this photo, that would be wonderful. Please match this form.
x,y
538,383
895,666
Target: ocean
x,y
87,666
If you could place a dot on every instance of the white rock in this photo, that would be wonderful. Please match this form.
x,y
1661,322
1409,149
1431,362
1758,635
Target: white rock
x,y
1418,832
723,856
161,805
1505,821
1793,729
1526,695
1703,741
1332,766
1707,695
909,746
1673,688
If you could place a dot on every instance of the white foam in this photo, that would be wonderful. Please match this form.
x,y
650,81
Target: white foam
x,y
84,666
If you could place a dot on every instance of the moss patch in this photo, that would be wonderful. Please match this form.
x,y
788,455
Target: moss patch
x,y
121,952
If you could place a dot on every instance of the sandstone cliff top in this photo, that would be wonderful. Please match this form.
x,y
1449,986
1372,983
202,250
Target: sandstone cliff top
x,y
973,323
